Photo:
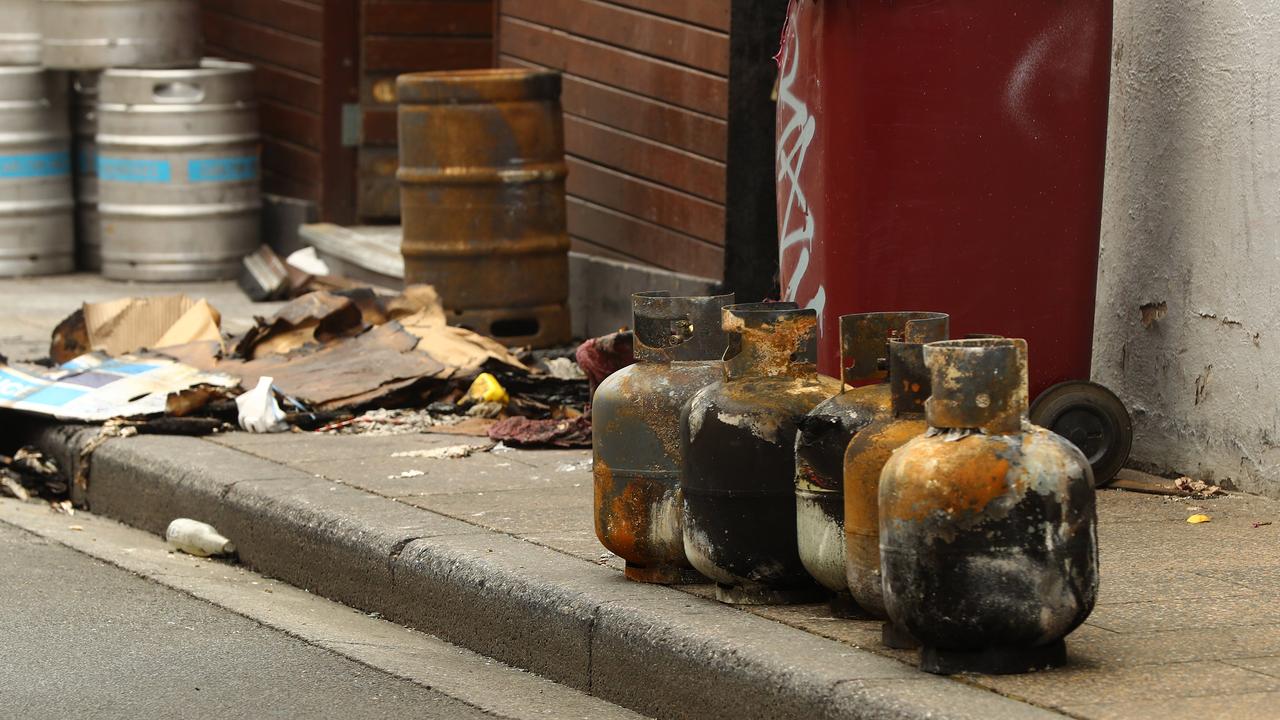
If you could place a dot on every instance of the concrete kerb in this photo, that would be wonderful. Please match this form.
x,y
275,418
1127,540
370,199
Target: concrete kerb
x,y
655,650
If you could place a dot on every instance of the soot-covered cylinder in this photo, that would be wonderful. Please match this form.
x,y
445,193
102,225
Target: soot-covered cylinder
x,y
826,431
870,448
636,432
738,438
988,523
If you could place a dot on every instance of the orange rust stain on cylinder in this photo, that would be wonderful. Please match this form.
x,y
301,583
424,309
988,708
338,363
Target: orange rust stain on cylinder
x,y
774,344
975,476
624,517
864,460
630,513
866,456
602,477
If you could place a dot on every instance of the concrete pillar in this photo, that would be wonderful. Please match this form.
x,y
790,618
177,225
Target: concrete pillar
x,y
1188,321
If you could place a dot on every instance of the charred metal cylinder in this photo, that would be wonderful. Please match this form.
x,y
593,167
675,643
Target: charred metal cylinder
x,y
482,199
870,449
738,440
635,432
988,523
825,433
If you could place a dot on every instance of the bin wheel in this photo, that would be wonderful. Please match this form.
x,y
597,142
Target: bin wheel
x,y
1093,419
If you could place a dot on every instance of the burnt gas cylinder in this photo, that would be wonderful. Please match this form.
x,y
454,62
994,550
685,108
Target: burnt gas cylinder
x,y
824,435
635,435
869,450
738,440
988,526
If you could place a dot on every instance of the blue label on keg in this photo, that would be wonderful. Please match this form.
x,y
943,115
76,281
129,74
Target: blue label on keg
x,y
235,169
35,165
130,170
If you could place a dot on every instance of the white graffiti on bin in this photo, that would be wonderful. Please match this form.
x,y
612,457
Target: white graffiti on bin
x,y
797,226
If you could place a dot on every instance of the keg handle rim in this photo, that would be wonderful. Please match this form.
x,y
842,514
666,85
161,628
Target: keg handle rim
x,y
177,92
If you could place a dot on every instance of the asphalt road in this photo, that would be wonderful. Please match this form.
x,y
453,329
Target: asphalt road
x,y
83,638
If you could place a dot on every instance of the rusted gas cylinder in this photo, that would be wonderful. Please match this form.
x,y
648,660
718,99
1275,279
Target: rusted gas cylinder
x,y
870,450
738,440
988,524
635,432
824,436
482,199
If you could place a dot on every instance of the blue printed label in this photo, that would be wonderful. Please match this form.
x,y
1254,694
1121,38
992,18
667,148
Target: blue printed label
x,y
236,169
128,170
14,386
35,165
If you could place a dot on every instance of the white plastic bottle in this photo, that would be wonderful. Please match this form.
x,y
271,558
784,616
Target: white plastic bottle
x,y
196,538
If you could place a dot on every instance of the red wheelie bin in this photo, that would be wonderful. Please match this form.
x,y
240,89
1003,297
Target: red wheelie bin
x,y
949,155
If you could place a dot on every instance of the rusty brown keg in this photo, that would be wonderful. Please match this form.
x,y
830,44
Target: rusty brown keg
x,y
482,199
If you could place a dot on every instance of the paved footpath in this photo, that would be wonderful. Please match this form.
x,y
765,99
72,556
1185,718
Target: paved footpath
x,y
496,552
1188,623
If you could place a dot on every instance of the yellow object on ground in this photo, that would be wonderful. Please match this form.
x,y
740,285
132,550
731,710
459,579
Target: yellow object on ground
x,y
1197,519
486,389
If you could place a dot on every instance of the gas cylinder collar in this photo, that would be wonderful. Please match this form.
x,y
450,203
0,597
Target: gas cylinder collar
x,y
978,384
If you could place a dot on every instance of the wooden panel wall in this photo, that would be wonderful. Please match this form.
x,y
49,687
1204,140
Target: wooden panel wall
x,y
283,38
646,107
400,36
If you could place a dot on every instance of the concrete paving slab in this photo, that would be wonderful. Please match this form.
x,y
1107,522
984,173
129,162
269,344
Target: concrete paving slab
x,y
1254,577
580,544
1106,648
307,447
886,699
818,620
1123,584
1130,684
1136,618
370,463
1266,665
516,512
420,478
1232,706
1178,547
